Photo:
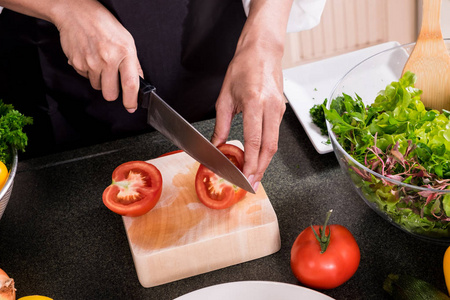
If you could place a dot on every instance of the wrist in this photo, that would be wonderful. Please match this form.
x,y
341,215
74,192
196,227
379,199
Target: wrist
x,y
267,44
265,28
63,10
58,12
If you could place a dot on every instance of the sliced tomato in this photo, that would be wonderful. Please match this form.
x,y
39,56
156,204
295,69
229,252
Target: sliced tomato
x,y
136,188
214,191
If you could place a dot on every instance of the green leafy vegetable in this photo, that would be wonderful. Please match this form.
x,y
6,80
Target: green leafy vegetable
x,y
318,117
11,131
397,137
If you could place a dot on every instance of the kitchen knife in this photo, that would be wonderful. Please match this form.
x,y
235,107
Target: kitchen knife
x,y
183,135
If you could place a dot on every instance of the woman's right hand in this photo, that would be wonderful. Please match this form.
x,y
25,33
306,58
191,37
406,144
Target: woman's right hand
x,y
99,48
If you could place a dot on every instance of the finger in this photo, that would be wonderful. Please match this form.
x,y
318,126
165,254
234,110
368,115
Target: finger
x,y
129,77
94,79
140,72
93,66
252,122
82,73
270,136
224,117
110,84
78,65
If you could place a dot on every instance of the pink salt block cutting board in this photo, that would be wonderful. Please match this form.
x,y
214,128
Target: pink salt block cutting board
x,y
180,237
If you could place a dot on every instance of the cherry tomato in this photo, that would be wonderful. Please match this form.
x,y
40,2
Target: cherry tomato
x,y
214,191
3,174
325,266
136,188
7,289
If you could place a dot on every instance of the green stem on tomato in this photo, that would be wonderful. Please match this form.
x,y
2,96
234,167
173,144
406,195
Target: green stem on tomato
x,y
323,239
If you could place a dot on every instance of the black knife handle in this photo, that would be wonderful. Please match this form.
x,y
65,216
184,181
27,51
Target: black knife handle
x,y
145,89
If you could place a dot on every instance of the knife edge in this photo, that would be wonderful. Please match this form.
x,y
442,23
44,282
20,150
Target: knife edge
x,y
182,134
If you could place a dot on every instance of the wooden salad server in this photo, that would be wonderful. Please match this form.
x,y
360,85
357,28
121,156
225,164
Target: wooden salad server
x,y
430,60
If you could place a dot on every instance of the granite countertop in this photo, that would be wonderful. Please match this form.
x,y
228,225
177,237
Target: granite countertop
x,y
58,239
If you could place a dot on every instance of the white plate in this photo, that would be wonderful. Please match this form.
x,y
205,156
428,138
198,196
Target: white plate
x,y
310,84
261,290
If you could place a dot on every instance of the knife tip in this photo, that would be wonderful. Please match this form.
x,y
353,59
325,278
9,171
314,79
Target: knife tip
x,y
250,189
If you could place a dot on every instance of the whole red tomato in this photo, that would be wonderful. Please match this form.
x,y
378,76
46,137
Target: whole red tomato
x,y
325,259
214,191
136,188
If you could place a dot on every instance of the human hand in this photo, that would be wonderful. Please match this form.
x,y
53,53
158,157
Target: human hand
x,y
253,85
99,48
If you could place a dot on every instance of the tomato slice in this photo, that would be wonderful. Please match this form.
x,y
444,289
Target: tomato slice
x,y
214,191
136,188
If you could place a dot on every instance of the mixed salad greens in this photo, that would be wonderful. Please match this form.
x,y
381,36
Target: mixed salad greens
x,y
397,137
318,117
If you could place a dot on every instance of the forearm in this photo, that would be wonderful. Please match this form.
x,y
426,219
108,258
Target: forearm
x,y
54,11
266,26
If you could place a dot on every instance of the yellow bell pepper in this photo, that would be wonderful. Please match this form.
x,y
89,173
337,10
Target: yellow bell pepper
x,y
446,265
35,297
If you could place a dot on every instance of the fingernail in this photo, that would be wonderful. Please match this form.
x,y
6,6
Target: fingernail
x,y
131,110
255,186
250,178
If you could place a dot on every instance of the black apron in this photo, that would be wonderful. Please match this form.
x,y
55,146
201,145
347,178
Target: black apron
x,y
184,48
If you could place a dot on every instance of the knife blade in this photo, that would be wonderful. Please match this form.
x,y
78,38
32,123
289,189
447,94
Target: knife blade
x,y
183,135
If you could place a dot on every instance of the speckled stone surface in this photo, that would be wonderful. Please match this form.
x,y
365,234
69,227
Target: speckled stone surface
x,y
58,239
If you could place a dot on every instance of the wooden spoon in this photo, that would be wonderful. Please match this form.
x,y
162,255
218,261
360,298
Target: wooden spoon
x,y
430,60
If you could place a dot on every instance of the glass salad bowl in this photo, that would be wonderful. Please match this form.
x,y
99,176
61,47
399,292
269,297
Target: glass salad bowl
x,y
396,158
6,190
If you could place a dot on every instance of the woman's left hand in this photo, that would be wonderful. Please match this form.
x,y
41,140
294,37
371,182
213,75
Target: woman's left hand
x,y
253,85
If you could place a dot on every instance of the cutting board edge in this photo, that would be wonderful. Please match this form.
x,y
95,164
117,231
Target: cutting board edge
x,y
266,236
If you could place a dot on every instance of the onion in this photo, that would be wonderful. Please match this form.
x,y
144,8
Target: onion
x,y
7,289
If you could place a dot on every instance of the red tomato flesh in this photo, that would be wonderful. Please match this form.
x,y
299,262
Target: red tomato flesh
x,y
214,191
136,188
329,269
